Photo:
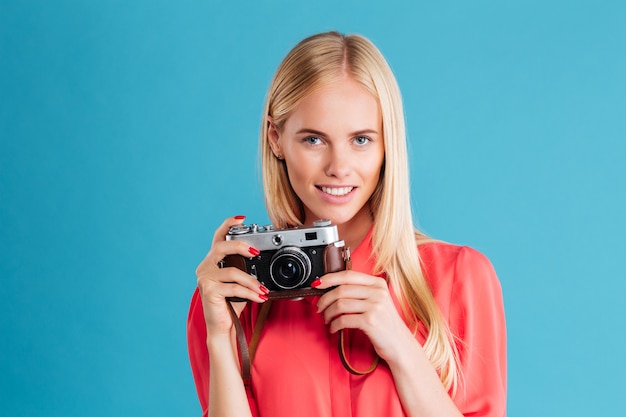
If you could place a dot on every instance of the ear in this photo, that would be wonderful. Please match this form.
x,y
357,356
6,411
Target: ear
x,y
273,136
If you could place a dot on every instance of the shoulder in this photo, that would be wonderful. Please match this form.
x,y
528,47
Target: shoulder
x,y
450,269
437,255
441,252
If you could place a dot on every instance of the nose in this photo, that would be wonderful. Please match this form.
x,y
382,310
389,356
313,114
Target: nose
x,y
338,163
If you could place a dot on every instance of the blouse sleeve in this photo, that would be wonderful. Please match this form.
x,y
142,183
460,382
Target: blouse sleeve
x,y
199,355
476,317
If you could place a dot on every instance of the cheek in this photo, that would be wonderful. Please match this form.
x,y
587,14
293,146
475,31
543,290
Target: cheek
x,y
372,169
300,172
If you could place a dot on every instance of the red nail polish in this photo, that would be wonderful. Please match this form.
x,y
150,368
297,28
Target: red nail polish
x,y
263,297
316,283
264,289
240,217
254,251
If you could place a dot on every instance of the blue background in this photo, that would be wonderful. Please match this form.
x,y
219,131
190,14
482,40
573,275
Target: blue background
x,y
129,131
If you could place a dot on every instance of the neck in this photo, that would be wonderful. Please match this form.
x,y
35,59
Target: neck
x,y
353,237
354,231
351,231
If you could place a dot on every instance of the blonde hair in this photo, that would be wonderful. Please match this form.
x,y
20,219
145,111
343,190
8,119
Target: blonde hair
x,y
317,61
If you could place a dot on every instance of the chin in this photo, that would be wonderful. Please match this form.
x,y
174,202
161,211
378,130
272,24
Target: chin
x,y
338,219
337,215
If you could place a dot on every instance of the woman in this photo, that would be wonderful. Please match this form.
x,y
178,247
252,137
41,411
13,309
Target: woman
x,y
333,147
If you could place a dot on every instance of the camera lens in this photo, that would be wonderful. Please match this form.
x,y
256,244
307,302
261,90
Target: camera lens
x,y
290,268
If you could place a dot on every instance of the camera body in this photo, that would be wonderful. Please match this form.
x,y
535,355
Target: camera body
x,y
290,259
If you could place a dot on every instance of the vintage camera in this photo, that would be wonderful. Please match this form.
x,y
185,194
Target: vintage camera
x,y
290,259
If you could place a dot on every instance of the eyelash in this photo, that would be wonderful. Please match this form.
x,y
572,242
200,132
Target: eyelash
x,y
314,140
362,137
309,140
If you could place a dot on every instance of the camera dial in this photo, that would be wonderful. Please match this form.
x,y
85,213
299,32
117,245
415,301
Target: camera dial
x,y
239,230
321,223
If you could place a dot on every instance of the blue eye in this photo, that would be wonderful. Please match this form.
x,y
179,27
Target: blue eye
x,y
361,140
312,140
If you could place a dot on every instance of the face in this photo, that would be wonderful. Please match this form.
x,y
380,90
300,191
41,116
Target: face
x,y
333,146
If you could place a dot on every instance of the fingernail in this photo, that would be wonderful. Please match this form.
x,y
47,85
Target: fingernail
x,y
254,251
240,217
263,297
316,283
264,289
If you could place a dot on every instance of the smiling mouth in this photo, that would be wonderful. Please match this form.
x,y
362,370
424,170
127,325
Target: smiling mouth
x,y
337,191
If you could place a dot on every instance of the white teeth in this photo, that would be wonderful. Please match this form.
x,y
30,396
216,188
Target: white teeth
x,y
337,191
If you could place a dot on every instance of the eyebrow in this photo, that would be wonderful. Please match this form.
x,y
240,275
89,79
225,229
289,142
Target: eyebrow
x,y
320,133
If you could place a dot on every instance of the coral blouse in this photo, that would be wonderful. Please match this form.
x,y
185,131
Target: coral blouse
x,y
297,370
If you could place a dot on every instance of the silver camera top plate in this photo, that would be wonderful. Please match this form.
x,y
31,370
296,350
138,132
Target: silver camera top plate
x,y
267,238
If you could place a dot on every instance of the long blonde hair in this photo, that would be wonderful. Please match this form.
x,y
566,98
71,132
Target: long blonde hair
x,y
317,61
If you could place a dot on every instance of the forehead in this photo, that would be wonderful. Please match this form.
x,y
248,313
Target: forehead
x,y
343,105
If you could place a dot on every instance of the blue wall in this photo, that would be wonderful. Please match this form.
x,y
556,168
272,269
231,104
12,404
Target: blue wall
x,y
128,132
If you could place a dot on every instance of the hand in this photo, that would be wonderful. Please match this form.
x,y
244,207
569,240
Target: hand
x,y
364,302
216,284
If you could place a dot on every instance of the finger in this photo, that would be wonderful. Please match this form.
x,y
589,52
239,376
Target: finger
x,y
346,291
220,249
334,279
230,276
222,230
225,290
349,321
345,306
215,292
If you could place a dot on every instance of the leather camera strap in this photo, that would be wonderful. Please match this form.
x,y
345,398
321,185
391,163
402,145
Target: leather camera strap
x,y
346,363
246,353
342,347
242,344
258,327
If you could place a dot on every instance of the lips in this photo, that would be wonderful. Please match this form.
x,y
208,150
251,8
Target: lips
x,y
336,191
